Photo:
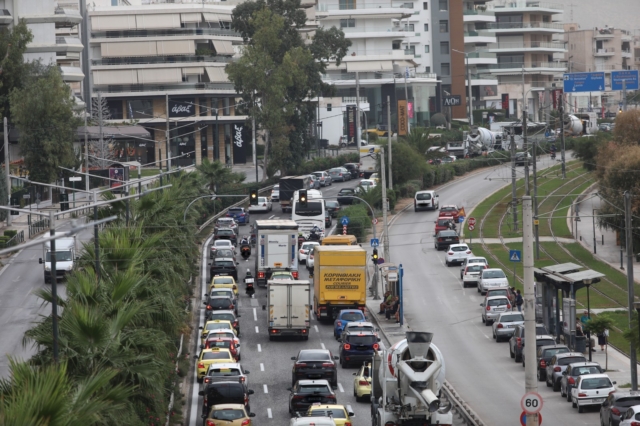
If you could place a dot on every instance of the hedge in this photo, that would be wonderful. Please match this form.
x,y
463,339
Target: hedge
x,y
359,221
10,233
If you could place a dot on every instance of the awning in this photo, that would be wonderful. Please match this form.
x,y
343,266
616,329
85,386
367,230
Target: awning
x,y
128,49
160,75
404,64
176,47
158,21
361,67
224,17
386,66
113,132
211,17
101,78
333,66
193,71
191,17
223,47
217,75
113,23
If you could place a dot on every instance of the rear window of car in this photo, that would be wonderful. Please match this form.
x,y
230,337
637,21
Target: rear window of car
x,y
493,274
361,340
594,369
498,302
426,196
221,292
335,170
336,413
448,209
215,355
345,191
224,344
541,330
224,263
314,356
225,231
596,383
545,342
459,248
225,317
571,360
627,401
443,222
223,280
220,302
227,414
548,353
511,318
314,389
475,268
224,372
236,209
448,234
352,316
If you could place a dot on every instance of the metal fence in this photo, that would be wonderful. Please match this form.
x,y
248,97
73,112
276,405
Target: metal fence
x,y
15,240
38,227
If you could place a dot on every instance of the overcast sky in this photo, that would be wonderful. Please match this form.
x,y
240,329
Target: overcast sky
x,y
622,14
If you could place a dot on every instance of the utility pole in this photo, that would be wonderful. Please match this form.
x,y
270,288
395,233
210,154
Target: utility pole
x,y
358,130
7,163
54,287
389,140
525,146
514,196
96,241
466,57
535,196
383,174
564,170
624,95
629,248
101,124
86,151
406,96
253,141
166,134
530,380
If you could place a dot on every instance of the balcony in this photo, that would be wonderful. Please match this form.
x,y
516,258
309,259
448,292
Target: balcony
x,y
626,54
531,46
524,27
381,10
603,34
482,80
159,60
529,67
482,58
71,73
68,44
375,78
606,52
511,6
137,88
473,15
5,17
176,32
393,32
473,37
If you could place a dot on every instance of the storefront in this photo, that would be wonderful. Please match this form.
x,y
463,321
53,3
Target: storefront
x,y
120,143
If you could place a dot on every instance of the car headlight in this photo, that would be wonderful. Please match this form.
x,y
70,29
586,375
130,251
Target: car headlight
x,y
70,267
47,268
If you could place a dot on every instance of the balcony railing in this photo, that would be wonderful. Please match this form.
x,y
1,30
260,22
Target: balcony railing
x,y
164,33
520,4
481,55
477,12
356,6
527,45
523,25
374,75
166,87
605,51
160,60
479,34
519,65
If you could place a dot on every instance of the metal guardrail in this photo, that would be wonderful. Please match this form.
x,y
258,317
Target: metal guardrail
x,y
15,240
460,407
38,227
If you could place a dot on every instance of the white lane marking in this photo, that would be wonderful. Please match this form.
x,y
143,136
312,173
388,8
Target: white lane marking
x,y
259,348
271,217
316,327
257,331
323,348
269,414
255,314
340,387
16,279
261,367
266,390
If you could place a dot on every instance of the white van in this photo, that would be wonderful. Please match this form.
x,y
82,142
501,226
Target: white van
x,y
426,200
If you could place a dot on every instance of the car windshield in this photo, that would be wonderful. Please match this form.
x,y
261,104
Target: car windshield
x,y
262,199
314,356
627,402
581,371
448,234
497,292
224,263
596,383
476,260
218,302
425,196
493,274
61,256
223,317
336,413
548,353
314,389
215,355
498,302
221,292
223,280
223,243
511,318
346,191
223,372
443,222
361,340
313,208
352,316
332,204
224,253
459,248
570,359
228,414
307,246
541,329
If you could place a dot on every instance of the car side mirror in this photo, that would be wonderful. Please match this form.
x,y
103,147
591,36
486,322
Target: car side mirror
x,y
246,371
289,389
195,357
209,264
433,235
201,393
293,358
355,374
435,221
40,261
336,358
204,416
482,304
264,307
237,263
201,346
379,340
250,392
200,328
614,383
238,316
204,302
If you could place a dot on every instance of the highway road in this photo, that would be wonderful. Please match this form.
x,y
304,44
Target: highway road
x,y
478,368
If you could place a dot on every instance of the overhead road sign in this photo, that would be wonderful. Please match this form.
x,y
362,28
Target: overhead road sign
x,y
583,82
630,78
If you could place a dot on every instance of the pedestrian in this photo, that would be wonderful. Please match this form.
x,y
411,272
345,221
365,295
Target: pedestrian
x,y
584,319
393,308
602,339
519,300
388,298
512,297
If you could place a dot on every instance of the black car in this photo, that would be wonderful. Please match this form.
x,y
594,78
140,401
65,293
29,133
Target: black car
x,y
220,303
444,239
314,364
520,158
224,393
543,357
516,343
226,234
540,341
224,266
354,169
342,196
327,219
357,347
307,392
616,404
332,207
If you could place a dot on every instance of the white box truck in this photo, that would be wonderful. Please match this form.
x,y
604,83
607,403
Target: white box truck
x,y
277,245
289,303
66,251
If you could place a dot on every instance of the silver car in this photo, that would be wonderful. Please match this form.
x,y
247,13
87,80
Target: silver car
x,y
339,174
558,365
314,182
325,179
505,325
471,260
492,278
471,274
493,307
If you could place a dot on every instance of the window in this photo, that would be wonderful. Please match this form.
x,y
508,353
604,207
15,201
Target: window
x,y
395,45
445,68
410,50
444,47
409,27
444,26
444,5
347,4
347,23
407,5
426,49
427,69
426,27
425,5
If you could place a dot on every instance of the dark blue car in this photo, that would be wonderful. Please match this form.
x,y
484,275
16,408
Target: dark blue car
x,y
356,348
346,316
240,214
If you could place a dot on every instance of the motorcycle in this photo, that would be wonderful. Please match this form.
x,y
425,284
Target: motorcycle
x,y
245,251
248,282
553,155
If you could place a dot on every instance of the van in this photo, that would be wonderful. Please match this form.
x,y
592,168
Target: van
x,y
426,200
224,393
340,240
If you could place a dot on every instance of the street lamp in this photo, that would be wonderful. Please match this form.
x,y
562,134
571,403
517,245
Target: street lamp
x,y
466,60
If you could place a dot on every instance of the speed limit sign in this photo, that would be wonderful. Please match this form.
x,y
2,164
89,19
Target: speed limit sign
x,y
531,402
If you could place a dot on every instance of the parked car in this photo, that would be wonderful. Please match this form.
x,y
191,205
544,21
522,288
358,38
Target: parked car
x,y
314,364
264,205
305,249
444,239
367,184
472,260
630,416
345,194
471,274
333,207
275,193
576,369
356,348
493,307
339,174
362,382
307,392
590,390
505,325
353,168
314,182
557,366
617,404
543,357
344,317
456,254
542,340
516,342
240,214
426,200
324,178
442,224
492,278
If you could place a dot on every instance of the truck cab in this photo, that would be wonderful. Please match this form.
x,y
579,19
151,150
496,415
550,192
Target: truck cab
x,y
65,254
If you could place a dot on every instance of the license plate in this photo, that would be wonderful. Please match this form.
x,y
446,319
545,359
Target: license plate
x,y
598,400
499,309
277,265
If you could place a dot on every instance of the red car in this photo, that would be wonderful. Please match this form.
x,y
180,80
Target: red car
x,y
442,223
450,210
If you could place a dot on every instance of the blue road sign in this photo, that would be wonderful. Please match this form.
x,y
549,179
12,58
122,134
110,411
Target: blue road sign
x,y
345,220
460,219
375,242
515,255
630,77
583,82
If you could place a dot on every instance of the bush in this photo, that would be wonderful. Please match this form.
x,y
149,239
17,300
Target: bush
x,y
10,233
359,221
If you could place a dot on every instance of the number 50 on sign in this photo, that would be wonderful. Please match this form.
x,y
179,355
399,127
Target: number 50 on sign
x,y
531,402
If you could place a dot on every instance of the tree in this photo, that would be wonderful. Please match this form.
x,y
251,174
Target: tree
x,y
627,130
13,69
215,175
418,139
101,150
43,113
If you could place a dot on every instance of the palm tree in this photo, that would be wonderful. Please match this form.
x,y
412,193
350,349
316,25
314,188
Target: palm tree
x,y
215,175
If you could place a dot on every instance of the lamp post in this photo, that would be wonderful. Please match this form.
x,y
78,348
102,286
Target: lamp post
x,y
466,60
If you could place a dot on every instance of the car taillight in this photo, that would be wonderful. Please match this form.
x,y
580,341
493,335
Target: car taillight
x,y
301,364
246,422
210,423
543,364
242,379
302,251
450,253
376,346
295,274
572,381
557,369
508,306
209,307
264,205
200,365
260,274
347,346
499,326
347,424
582,395
468,251
230,306
635,423
439,239
235,324
327,364
297,397
363,383
339,323
235,287
246,399
615,411
519,341
488,308
241,214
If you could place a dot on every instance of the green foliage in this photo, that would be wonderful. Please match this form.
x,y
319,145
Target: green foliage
x,y
43,113
406,164
215,175
359,220
418,139
10,233
13,44
598,324
586,149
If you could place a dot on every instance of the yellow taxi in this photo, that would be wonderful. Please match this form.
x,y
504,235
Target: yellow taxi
x,y
224,281
340,414
229,415
212,356
362,382
216,325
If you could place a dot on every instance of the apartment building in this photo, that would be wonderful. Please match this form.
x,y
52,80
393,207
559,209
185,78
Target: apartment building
x,y
528,35
161,65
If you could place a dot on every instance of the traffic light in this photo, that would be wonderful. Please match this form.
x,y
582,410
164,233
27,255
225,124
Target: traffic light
x,y
253,197
374,256
303,197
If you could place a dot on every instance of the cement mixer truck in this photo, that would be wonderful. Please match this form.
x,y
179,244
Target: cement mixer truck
x,y
580,124
407,379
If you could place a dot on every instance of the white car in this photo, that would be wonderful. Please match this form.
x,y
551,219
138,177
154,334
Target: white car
x,y
471,260
471,273
457,253
493,307
275,193
492,278
368,184
223,244
227,222
591,389
305,249
312,421
505,325
630,417
426,200
264,205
